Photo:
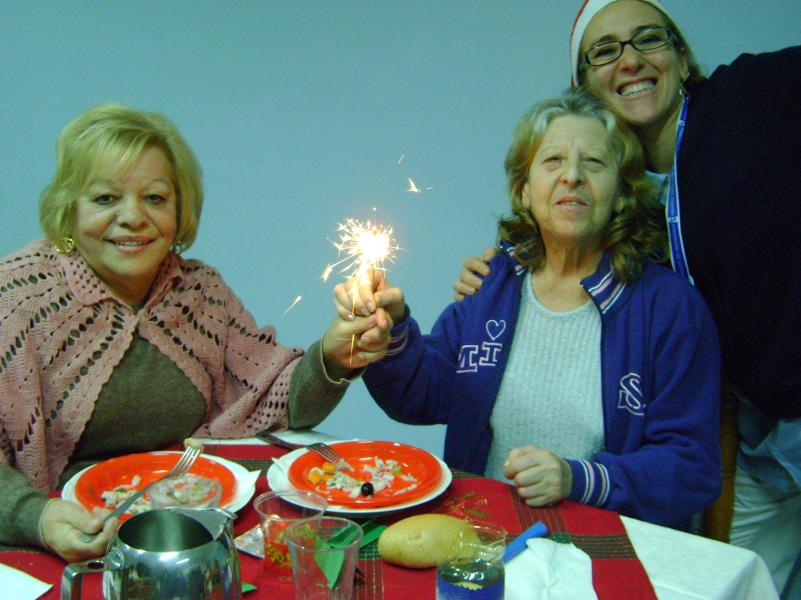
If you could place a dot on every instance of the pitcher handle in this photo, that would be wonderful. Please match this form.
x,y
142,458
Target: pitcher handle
x,y
72,578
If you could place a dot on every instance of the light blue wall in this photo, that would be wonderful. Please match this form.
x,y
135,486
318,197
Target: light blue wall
x,y
299,112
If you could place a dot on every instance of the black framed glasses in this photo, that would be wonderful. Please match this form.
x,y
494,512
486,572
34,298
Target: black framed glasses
x,y
646,40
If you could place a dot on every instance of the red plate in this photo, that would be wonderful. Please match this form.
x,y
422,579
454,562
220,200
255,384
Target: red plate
x,y
149,466
413,461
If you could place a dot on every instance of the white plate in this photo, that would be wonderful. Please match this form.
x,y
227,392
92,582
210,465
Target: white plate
x,y
241,498
279,482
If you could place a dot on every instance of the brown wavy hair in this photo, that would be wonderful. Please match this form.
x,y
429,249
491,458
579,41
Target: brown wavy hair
x,y
633,234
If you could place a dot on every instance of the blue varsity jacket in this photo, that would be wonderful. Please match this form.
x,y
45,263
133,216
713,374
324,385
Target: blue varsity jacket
x,y
660,362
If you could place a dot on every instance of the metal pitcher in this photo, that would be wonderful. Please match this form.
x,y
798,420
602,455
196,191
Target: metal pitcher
x,y
166,554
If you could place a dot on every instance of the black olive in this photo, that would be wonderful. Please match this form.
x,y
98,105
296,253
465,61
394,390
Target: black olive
x,y
367,489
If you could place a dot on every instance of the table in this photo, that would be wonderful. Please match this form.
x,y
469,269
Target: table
x,y
631,559
682,566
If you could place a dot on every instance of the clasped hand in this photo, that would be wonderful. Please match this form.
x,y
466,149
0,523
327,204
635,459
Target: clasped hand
x,y
367,307
540,476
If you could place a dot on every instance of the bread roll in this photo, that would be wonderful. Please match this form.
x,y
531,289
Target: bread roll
x,y
423,541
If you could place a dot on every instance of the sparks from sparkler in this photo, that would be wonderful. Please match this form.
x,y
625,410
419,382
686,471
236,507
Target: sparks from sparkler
x,y
365,246
413,187
416,190
294,302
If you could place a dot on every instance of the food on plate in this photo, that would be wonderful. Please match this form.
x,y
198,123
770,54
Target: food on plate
x,y
397,474
119,494
186,491
423,541
369,478
119,474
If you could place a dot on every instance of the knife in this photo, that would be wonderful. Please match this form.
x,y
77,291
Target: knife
x,y
517,545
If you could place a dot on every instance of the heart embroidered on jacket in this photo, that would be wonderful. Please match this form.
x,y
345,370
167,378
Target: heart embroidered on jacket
x,y
495,328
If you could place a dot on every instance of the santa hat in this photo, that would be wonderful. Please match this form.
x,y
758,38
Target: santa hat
x,y
588,10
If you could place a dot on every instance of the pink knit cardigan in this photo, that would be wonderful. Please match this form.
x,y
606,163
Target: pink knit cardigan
x,y
62,333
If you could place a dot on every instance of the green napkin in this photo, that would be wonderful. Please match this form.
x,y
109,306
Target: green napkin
x,y
330,563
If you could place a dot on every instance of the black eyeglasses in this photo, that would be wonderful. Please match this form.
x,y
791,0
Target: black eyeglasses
x,y
647,40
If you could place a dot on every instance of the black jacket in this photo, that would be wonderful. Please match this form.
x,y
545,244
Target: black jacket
x,y
740,193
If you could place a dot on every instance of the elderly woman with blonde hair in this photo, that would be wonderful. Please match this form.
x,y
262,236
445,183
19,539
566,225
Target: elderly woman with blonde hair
x,y
112,343
580,369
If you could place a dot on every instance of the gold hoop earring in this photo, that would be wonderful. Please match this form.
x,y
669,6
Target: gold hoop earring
x,y
65,245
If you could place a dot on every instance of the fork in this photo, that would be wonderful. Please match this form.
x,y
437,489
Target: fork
x,y
185,462
328,453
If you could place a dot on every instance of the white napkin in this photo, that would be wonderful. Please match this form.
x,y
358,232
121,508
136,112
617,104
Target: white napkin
x,y
283,464
304,437
19,585
547,570
247,481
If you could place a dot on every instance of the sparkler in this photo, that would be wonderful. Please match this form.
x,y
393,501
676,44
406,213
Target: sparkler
x,y
365,246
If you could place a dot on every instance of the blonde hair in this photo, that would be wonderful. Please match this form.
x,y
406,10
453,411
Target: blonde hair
x,y
632,235
108,140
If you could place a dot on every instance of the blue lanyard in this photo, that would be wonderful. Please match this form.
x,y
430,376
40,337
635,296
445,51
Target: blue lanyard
x,y
678,258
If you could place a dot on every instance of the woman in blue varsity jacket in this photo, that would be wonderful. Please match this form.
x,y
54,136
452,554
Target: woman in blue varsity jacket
x,y
579,370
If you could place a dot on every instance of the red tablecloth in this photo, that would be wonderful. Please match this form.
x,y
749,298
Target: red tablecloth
x,y
617,572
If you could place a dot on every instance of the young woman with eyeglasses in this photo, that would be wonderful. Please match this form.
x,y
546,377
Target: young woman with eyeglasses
x,y
726,152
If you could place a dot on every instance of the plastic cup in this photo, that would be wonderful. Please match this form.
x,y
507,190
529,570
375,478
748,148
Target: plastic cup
x,y
474,568
324,553
277,511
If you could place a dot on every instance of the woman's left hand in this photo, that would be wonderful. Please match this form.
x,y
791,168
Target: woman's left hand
x,y
349,345
541,477
365,294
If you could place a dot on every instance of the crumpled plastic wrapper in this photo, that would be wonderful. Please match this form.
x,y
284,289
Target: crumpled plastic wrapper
x,y
251,542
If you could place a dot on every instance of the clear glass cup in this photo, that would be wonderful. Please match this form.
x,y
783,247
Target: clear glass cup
x,y
277,511
186,491
324,553
474,567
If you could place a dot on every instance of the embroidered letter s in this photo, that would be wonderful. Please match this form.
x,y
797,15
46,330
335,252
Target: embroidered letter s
x,y
630,394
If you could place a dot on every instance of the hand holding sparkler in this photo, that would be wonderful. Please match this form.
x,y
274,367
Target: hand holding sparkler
x,y
367,248
355,343
369,293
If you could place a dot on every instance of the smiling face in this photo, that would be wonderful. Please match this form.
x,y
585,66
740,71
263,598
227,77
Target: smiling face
x,y
125,225
642,87
573,184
